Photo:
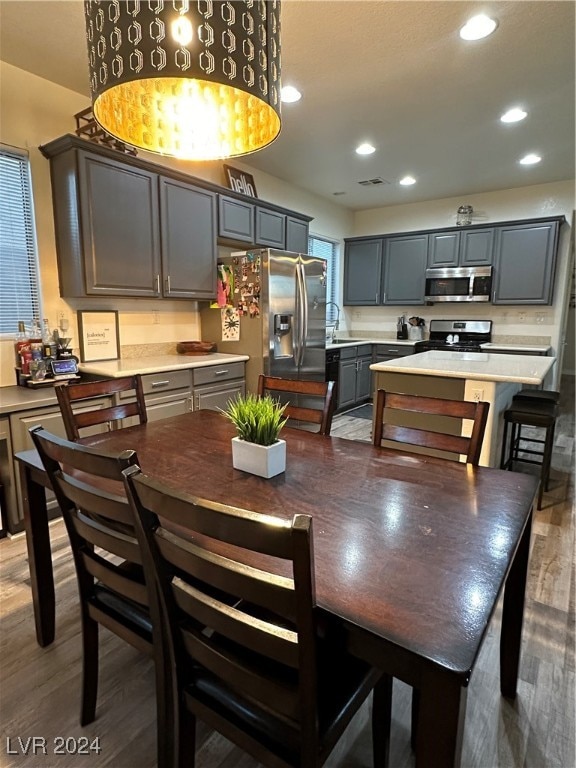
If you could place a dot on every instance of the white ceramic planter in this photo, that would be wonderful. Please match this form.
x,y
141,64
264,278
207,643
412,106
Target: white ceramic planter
x,y
262,460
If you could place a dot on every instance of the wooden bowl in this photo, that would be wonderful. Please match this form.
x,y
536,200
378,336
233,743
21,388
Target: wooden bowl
x,y
195,347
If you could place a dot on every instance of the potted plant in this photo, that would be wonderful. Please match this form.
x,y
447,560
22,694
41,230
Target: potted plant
x,y
257,447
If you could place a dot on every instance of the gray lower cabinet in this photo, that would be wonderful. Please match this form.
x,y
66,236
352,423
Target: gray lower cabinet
x,y
354,376
525,263
362,272
188,229
404,270
390,351
216,385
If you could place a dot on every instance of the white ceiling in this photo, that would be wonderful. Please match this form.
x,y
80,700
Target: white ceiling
x,y
395,74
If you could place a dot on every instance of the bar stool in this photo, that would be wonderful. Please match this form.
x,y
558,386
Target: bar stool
x,y
540,413
538,395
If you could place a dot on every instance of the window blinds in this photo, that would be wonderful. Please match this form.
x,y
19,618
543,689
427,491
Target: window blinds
x,y
19,289
326,249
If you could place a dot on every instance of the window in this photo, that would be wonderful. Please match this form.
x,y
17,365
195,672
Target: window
x,y
327,249
19,283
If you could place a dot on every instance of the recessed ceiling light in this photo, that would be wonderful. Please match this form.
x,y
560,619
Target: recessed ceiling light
x,y
365,149
288,94
513,115
407,181
478,27
530,159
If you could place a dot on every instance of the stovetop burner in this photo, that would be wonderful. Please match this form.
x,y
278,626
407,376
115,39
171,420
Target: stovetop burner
x,y
456,336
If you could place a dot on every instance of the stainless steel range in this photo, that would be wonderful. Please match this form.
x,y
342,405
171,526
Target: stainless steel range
x,y
456,335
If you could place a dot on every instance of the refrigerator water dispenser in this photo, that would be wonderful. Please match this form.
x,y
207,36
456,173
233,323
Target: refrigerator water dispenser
x,y
283,336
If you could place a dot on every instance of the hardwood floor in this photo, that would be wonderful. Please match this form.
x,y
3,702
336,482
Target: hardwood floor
x,y
39,688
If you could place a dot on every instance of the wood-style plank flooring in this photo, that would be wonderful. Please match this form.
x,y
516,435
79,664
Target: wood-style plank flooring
x,y
39,688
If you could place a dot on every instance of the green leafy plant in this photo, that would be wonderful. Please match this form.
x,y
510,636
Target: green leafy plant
x,y
257,419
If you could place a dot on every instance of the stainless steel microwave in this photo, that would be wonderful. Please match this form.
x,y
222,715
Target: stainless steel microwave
x,y
459,284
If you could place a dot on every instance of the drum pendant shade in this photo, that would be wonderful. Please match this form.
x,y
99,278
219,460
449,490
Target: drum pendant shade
x,y
194,80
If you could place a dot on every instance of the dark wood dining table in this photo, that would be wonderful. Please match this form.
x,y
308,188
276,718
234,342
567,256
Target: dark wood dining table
x,y
411,552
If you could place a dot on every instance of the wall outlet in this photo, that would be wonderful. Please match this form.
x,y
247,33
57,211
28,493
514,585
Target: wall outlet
x,y
521,317
155,317
478,395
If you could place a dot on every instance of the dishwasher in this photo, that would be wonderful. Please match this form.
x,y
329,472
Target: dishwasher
x,y
332,365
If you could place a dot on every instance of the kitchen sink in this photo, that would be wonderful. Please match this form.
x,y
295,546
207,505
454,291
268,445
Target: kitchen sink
x,y
346,341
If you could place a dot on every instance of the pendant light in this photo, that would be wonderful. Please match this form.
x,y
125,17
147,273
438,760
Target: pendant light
x,y
193,79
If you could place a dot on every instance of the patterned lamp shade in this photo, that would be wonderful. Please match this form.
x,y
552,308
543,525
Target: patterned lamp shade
x,y
197,80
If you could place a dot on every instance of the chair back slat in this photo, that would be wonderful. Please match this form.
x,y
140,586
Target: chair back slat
x,y
122,582
277,692
237,625
309,392
268,590
261,533
94,534
82,394
446,438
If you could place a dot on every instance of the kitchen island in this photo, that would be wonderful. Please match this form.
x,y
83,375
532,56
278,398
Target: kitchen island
x,y
493,378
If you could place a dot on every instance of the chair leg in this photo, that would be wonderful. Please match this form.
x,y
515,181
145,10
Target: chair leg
x,y
504,455
89,670
186,738
546,461
381,721
414,717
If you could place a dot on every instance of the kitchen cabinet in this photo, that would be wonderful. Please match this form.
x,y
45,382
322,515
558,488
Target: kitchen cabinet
x,y
404,270
525,263
215,385
236,220
354,376
391,351
388,270
127,231
461,248
362,272
188,236
296,235
51,419
270,228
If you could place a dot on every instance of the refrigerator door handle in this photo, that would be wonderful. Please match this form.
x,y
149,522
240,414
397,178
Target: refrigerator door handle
x,y
300,334
304,312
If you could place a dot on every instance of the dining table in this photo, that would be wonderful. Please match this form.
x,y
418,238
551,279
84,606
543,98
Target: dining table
x,y
411,552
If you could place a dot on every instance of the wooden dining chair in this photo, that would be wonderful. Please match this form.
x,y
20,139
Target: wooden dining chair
x,y
418,406
319,404
89,488
75,400
250,662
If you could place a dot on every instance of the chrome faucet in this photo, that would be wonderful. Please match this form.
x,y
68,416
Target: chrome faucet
x,y
336,325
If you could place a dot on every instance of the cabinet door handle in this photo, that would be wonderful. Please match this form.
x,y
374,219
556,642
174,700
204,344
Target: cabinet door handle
x,y
376,298
168,284
157,283
220,373
160,383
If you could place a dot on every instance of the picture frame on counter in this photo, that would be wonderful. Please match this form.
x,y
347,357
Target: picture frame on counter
x,y
99,335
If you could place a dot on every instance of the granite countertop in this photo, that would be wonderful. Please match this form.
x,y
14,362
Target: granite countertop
x,y
481,366
530,349
16,398
156,364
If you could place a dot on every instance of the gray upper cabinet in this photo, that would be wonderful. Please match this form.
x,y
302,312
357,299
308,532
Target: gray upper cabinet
x,y
362,272
235,220
524,263
114,240
296,235
404,270
461,248
270,228
188,230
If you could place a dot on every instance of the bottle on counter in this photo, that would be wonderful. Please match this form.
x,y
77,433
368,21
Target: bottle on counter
x,y
49,346
21,344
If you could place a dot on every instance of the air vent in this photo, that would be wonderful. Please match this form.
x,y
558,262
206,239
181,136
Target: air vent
x,y
373,182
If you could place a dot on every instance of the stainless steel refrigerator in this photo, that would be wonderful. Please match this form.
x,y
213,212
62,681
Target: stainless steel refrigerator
x,y
281,298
